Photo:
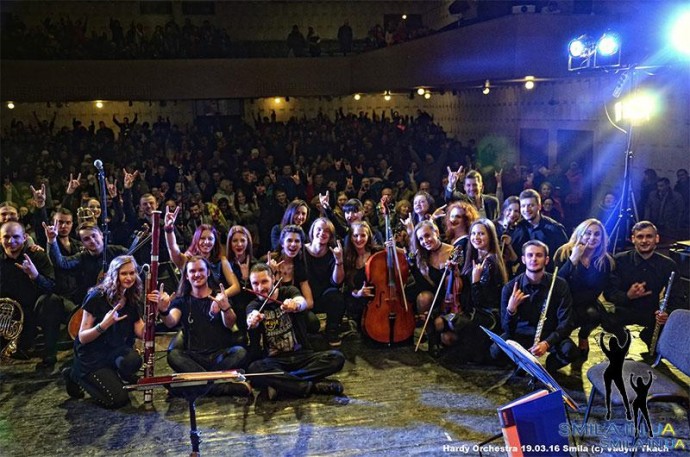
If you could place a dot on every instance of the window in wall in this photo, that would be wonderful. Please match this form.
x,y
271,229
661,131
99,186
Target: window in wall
x,y
199,8
155,7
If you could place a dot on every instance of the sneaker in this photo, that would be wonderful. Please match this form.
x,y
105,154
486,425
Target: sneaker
x,y
327,388
233,389
333,339
74,390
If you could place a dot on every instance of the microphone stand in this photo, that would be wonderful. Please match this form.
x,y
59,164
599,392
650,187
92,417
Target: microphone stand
x,y
104,216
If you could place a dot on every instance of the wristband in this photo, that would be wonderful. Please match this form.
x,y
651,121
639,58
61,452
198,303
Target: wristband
x,y
99,329
164,313
226,309
168,229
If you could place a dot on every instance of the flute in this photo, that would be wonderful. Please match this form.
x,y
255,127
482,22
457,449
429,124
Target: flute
x,y
662,308
545,310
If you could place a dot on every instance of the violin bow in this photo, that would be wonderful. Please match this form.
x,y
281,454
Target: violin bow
x,y
268,298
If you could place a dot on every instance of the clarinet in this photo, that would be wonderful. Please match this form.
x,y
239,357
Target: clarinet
x,y
150,309
545,310
662,308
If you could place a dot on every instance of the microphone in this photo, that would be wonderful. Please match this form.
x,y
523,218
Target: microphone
x,y
98,164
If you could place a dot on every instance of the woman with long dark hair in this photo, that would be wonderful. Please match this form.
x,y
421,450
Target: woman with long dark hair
x,y
104,352
358,248
296,213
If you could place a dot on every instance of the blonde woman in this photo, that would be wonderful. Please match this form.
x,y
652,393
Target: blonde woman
x,y
584,263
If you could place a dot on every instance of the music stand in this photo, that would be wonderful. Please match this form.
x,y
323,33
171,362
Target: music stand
x,y
526,361
191,386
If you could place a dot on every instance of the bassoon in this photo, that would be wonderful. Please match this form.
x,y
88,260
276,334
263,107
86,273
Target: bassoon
x,y
662,309
151,307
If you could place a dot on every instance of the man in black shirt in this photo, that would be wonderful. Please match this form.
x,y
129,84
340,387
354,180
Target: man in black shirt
x,y
27,277
637,282
522,301
87,264
209,342
535,226
281,323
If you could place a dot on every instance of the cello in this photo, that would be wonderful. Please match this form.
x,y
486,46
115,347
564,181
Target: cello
x,y
387,317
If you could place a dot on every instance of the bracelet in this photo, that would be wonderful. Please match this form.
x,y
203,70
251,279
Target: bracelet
x,y
168,229
338,264
99,329
164,313
226,309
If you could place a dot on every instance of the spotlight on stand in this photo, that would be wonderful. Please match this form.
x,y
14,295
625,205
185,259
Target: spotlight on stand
x,y
608,44
636,108
584,52
580,47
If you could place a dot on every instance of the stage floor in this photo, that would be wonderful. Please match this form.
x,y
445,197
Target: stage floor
x,y
396,402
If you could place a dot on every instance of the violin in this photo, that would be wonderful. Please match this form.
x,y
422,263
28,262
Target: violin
x,y
388,318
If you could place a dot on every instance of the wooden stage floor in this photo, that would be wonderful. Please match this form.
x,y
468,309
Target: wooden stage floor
x,y
396,402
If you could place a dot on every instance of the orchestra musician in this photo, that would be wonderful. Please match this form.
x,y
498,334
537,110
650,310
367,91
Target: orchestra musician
x,y
208,340
240,254
325,273
522,301
584,263
281,323
104,356
27,277
358,249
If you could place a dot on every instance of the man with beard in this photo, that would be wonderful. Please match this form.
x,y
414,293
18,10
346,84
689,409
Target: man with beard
x,y
27,277
281,324
522,300
637,282
486,205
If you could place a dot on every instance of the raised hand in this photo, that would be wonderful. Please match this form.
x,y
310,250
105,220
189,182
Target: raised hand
x,y
254,318
28,267
408,224
337,252
439,212
455,176
245,268
516,298
275,266
577,252
324,200
51,231
161,298
73,184
39,196
220,301
477,270
130,178
113,316
169,218
296,178
112,188
499,177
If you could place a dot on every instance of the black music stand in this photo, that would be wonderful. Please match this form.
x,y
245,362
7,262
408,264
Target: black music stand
x,y
526,361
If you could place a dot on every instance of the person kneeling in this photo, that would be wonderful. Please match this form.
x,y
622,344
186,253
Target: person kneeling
x,y
282,326
208,339
104,353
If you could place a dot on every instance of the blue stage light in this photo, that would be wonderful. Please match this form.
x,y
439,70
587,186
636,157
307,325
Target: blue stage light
x,y
680,34
579,47
608,44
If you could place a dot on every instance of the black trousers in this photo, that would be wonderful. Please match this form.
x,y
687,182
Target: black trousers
x,y
629,316
47,313
106,385
331,302
301,369
559,356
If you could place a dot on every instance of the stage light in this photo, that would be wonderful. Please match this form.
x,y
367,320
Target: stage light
x,y
529,82
421,91
580,46
608,44
99,104
358,97
404,17
427,95
680,34
276,100
636,108
487,87
387,96
10,105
